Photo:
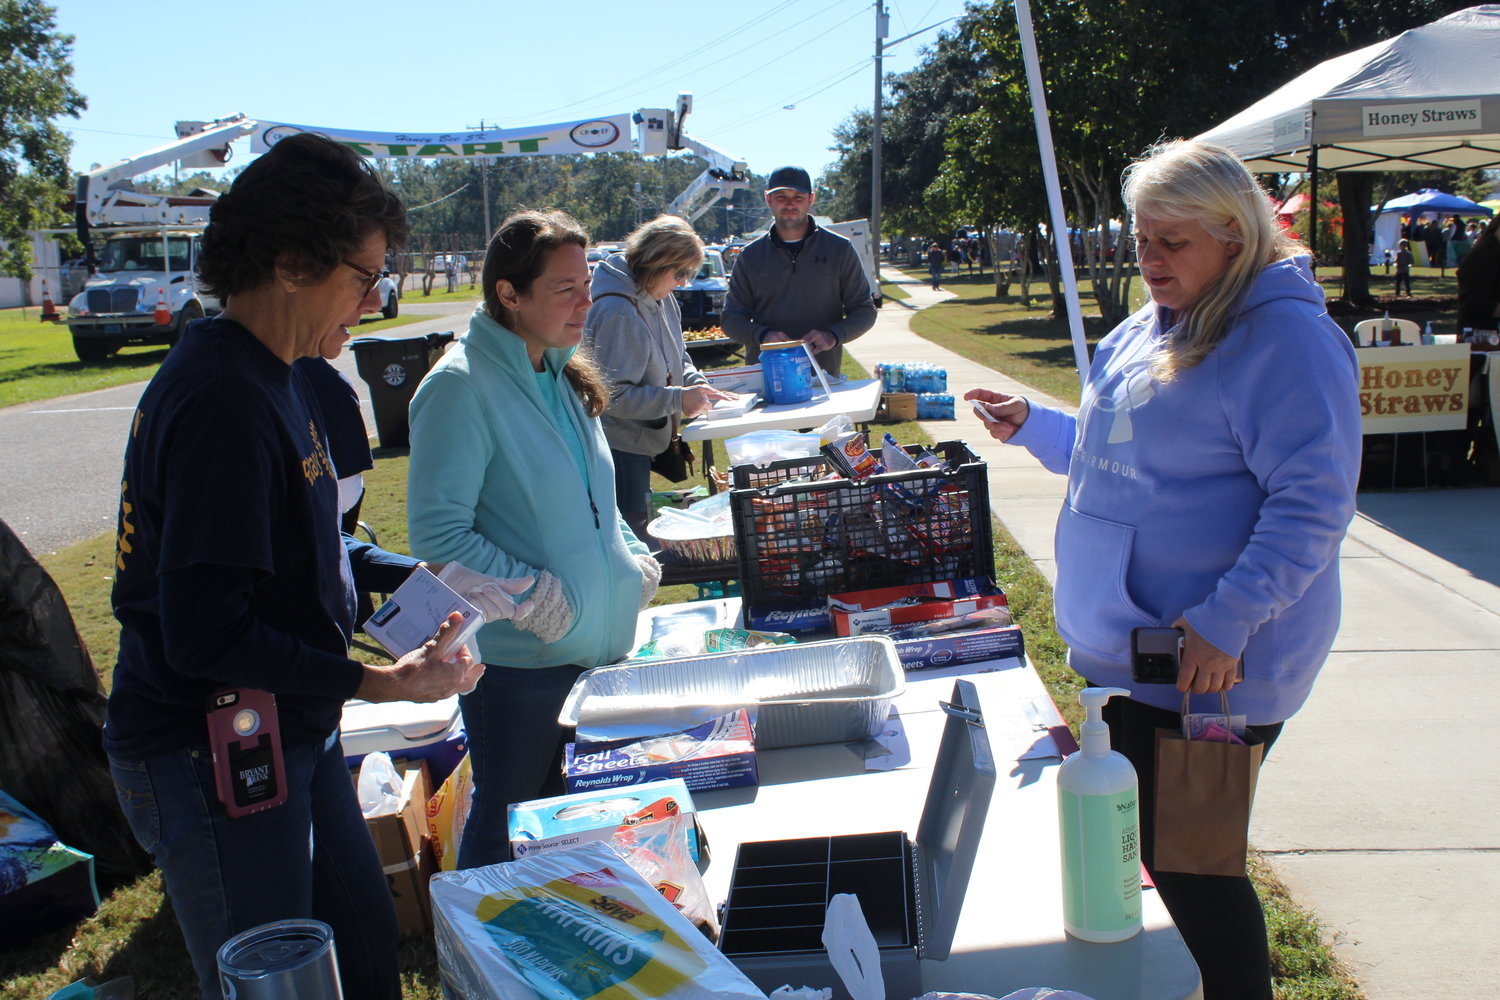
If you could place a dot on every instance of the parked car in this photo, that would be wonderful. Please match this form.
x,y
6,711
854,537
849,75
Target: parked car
x,y
390,295
702,298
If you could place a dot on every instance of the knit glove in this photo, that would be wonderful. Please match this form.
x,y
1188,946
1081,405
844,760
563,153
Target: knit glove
x,y
551,615
650,577
492,595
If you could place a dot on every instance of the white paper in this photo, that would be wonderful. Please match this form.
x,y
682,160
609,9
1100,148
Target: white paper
x,y
412,615
892,739
852,949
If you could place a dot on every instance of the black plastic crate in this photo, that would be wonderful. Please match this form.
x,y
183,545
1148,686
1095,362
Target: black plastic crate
x,y
799,542
753,477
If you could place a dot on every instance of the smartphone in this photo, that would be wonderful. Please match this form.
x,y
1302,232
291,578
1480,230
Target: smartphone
x,y
245,736
1155,653
984,411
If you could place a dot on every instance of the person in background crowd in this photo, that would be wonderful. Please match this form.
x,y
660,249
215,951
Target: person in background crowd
x,y
799,281
1403,267
1437,248
1192,503
510,475
634,333
231,574
1479,281
935,257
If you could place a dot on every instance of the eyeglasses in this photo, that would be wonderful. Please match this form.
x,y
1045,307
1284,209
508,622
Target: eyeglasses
x,y
371,277
685,275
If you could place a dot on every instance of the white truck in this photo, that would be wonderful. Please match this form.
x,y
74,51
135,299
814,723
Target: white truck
x,y
141,249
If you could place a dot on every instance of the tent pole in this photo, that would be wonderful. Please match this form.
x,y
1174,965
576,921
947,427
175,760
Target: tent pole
x,y
1312,208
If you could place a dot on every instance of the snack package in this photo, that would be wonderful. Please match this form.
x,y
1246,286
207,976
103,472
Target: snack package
x,y
721,639
446,812
575,924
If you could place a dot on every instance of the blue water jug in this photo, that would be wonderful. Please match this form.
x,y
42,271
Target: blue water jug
x,y
787,371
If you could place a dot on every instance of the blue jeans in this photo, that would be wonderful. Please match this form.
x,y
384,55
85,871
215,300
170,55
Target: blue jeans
x,y
632,481
311,857
515,749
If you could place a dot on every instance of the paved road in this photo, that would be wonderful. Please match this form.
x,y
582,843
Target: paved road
x,y
61,457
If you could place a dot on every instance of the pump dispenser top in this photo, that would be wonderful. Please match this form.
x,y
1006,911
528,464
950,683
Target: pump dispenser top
x,y
1095,733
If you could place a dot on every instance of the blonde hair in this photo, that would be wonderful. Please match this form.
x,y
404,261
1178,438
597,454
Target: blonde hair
x,y
666,243
1196,182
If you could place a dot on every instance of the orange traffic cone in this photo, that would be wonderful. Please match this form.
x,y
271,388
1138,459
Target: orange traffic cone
x,y
161,317
49,311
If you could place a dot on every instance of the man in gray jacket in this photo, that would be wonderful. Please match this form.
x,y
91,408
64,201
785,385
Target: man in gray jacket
x,y
798,282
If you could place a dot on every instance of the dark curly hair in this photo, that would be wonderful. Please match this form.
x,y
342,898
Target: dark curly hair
x,y
311,199
518,253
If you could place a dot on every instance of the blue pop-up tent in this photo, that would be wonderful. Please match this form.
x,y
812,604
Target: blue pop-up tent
x,y
1428,201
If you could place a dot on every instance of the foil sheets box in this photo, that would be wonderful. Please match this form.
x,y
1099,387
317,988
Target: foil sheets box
x,y
717,754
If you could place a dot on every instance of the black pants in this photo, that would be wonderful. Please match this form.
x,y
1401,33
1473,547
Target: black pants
x,y
1219,917
1400,277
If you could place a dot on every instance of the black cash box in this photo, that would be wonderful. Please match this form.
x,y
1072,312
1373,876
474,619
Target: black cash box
x,y
911,892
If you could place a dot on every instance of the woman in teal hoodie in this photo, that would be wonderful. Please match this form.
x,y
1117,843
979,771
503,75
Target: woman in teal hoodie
x,y
1211,475
510,475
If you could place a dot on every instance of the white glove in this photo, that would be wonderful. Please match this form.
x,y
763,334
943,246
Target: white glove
x,y
490,594
650,577
552,615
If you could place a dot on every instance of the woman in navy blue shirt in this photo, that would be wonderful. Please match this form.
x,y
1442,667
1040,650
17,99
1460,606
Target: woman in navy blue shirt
x,y
231,575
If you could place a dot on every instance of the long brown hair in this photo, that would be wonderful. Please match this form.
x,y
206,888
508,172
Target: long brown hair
x,y
518,253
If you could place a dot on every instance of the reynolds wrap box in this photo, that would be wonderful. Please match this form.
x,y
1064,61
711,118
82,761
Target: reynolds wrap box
x,y
951,649
879,610
717,754
584,817
798,618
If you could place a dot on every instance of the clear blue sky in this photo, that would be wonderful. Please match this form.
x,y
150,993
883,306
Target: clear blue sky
x,y
390,66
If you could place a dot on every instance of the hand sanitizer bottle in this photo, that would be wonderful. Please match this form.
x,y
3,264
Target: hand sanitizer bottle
x,y
1098,814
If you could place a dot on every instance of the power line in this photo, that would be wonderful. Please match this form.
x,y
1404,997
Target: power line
x,y
619,87
810,41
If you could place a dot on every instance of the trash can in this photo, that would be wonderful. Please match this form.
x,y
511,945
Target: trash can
x,y
392,369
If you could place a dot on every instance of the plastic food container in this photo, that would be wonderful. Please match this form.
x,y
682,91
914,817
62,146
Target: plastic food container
x,y
692,541
819,692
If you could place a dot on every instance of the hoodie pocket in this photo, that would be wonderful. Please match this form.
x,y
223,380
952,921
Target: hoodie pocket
x,y
1095,612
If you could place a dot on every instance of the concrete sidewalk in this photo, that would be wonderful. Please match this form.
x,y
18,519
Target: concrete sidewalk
x,y
1380,804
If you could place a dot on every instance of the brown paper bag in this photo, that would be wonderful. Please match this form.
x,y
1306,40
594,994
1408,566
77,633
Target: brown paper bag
x,y
1204,791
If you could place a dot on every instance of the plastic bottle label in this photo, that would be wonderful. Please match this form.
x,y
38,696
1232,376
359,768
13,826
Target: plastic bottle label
x,y
1101,864
788,374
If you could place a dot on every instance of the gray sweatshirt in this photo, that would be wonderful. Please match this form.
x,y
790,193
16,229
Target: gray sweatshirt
x,y
637,342
821,287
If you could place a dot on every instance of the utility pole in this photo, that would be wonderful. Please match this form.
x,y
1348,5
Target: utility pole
x,y
484,183
882,31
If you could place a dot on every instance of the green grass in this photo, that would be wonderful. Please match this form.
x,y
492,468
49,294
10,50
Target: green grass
x,y
1022,340
893,292
134,930
37,360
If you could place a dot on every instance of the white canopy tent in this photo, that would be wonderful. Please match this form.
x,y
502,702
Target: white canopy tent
x,y
1428,99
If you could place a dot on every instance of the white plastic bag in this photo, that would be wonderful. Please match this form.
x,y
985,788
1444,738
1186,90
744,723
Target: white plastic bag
x,y
379,786
764,447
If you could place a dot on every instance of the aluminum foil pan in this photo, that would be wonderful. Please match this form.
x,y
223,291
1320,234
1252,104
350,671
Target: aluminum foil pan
x,y
818,692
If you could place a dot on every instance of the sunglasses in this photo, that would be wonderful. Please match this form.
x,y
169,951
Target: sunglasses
x,y
685,275
371,277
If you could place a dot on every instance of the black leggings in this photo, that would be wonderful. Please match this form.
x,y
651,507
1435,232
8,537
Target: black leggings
x,y
1219,917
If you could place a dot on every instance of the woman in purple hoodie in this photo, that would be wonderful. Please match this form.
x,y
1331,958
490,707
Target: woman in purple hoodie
x,y
1211,476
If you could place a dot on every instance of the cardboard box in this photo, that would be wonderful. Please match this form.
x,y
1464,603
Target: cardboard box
x,y
953,649
717,754
897,406
405,852
585,817
862,610
746,378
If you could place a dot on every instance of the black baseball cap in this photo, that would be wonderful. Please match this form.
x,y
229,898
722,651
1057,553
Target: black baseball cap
x,y
789,177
